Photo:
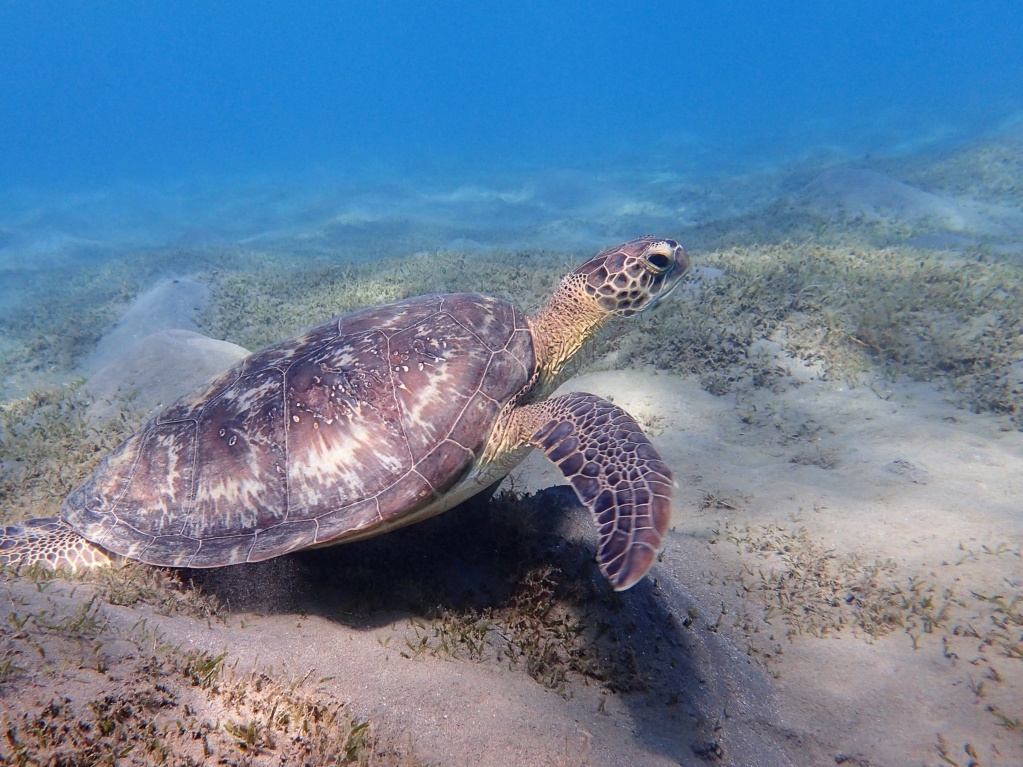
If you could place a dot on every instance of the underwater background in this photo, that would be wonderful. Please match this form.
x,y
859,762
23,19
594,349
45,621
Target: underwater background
x,y
158,116
837,385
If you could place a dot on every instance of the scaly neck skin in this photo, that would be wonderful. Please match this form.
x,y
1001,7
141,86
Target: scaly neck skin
x,y
560,329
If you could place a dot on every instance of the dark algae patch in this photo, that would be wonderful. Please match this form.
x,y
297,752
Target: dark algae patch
x,y
930,316
78,689
48,446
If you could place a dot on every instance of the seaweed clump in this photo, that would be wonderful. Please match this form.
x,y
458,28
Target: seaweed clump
x,y
127,697
816,591
898,311
48,446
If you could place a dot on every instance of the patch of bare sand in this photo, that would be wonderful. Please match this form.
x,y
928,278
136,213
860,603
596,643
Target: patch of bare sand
x,y
156,369
171,304
855,194
864,545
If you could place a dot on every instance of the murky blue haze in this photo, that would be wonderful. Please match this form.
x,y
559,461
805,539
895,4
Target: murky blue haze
x,y
156,96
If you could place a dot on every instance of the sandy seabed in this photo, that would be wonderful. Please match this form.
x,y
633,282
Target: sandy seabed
x,y
843,582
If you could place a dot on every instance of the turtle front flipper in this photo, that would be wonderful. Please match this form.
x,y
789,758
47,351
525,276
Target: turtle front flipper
x,y
616,472
49,542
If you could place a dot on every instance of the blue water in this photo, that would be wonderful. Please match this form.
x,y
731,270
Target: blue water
x,y
163,93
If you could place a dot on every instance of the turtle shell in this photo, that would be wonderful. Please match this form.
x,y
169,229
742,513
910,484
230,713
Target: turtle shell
x,y
342,430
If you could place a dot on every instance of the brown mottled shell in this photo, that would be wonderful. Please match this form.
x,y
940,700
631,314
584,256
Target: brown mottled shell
x,y
349,426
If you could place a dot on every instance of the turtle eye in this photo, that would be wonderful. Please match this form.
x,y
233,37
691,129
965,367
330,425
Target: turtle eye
x,y
658,262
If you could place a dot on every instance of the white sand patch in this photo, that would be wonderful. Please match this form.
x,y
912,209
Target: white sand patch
x,y
169,305
894,474
157,369
874,196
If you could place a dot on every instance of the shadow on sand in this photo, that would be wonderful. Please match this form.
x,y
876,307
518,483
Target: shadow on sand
x,y
521,570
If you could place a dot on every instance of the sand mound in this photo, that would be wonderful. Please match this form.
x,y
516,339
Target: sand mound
x,y
157,369
169,305
874,197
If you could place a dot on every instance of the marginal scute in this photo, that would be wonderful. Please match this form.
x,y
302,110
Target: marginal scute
x,y
283,537
448,459
175,548
408,492
212,551
348,519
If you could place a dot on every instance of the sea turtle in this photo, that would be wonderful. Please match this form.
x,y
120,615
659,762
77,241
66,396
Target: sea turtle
x,y
375,420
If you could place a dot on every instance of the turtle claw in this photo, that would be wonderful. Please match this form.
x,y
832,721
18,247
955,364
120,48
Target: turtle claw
x,y
616,473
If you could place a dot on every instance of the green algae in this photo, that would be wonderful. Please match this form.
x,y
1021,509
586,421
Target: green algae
x,y
258,306
79,689
900,312
48,446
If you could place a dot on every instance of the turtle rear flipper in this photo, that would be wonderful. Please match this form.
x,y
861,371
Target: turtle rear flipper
x,y
616,472
50,542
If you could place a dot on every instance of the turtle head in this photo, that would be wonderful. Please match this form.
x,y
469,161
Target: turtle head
x,y
618,282
634,276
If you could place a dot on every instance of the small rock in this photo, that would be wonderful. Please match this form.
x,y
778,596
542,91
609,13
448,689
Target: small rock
x,y
910,471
